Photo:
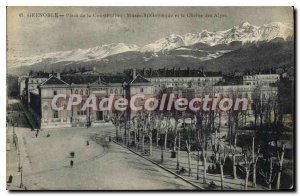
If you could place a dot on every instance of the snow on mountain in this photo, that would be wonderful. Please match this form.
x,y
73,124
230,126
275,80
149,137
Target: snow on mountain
x,y
95,53
168,43
244,32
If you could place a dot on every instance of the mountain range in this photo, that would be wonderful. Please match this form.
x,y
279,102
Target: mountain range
x,y
191,49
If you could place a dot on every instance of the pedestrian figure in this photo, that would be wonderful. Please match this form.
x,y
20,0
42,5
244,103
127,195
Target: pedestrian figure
x,y
10,178
87,142
71,163
36,134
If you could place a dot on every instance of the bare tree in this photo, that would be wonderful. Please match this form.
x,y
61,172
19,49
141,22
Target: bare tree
x,y
202,137
255,157
267,172
189,132
280,156
246,165
115,119
221,162
233,151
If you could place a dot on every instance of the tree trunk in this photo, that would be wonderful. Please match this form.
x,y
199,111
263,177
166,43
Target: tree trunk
x,y
178,153
143,142
234,166
254,162
129,139
189,162
280,168
117,133
246,180
162,154
150,144
270,174
254,175
222,177
166,140
204,168
123,136
135,140
278,179
156,138
198,162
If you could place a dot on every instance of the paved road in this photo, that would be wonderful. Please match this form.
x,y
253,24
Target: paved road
x,y
101,165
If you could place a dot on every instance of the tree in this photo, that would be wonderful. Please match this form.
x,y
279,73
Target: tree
x,y
150,127
174,131
135,128
280,156
267,172
220,155
165,127
247,153
189,133
233,151
255,156
202,137
221,162
115,119
159,118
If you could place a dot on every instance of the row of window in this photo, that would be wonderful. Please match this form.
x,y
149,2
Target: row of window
x,y
86,92
79,112
186,80
262,77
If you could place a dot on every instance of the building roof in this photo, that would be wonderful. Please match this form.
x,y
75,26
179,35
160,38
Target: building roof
x,y
53,81
79,79
139,79
40,75
176,72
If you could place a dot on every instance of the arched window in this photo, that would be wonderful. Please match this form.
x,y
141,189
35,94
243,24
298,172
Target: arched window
x,y
86,91
76,91
142,90
116,91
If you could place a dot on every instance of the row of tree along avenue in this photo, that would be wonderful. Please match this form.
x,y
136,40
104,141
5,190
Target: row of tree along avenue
x,y
232,145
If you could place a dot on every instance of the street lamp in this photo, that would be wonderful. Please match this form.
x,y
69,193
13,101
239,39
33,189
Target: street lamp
x,y
21,183
13,124
19,158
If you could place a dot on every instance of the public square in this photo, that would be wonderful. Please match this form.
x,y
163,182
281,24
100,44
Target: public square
x,y
99,165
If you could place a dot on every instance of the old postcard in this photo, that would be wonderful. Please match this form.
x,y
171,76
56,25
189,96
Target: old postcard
x,y
150,98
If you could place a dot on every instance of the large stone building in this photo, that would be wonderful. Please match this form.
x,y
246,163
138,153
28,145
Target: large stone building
x,y
39,91
84,85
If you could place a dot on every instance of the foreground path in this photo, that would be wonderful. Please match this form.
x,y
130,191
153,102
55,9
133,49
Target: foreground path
x,y
100,165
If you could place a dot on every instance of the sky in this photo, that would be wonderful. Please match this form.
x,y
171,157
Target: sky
x,y
28,36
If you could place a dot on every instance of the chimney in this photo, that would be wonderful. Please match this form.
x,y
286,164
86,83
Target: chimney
x,y
133,73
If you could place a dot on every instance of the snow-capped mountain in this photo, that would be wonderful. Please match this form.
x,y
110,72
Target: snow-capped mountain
x,y
95,53
168,43
244,33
